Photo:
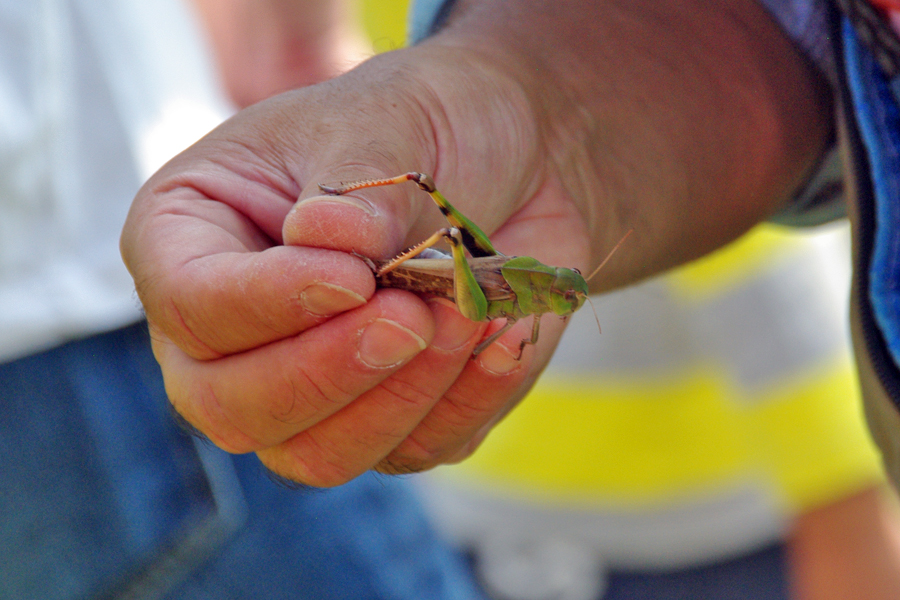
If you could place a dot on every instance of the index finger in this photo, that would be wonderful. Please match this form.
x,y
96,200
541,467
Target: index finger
x,y
215,283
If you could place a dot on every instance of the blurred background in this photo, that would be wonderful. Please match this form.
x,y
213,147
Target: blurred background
x,y
709,443
698,447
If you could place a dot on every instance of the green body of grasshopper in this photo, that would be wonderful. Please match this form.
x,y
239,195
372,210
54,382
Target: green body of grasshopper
x,y
487,286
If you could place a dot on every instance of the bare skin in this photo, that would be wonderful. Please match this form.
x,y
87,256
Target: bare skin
x,y
267,47
556,126
847,549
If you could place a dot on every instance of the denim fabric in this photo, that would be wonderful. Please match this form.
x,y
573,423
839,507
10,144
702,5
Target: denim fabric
x,y
103,496
878,118
760,576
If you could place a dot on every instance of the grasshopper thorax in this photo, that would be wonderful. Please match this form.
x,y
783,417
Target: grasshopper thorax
x,y
540,288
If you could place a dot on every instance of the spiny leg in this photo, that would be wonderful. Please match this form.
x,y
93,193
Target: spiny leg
x,y
473,238
351,186
468,295
414,251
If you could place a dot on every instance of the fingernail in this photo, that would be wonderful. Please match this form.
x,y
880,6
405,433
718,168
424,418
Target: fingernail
x,y
350,201
499,360
328,299
453,330
385,343
320,217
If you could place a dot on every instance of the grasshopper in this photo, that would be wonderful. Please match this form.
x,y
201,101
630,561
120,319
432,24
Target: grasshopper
x,y
488,286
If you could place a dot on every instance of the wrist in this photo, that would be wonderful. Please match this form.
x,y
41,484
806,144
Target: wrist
x,y
688,123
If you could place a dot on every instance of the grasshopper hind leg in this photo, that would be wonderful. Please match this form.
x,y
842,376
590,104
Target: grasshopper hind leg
x,y
422,180
474,240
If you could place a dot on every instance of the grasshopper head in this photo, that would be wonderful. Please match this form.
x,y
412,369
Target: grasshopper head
x,y
568,292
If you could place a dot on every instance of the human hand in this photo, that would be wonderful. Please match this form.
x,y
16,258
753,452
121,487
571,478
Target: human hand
x,y
532,123
258,312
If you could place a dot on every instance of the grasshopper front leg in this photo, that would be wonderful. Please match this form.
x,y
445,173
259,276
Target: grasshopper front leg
x,y
414,251
535,333
467,294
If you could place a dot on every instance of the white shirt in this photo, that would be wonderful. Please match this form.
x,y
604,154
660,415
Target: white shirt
x,y
95,95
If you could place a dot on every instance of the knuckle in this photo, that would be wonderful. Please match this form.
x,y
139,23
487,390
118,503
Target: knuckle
x,y
439,438
403,466
203,410
317,465
171,311
414,456
304,396
459,412
171,318
326,475
406,394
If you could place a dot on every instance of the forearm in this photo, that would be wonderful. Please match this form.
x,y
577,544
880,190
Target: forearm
x,y
686,121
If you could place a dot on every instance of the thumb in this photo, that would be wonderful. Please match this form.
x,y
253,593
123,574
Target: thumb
x,y
373,221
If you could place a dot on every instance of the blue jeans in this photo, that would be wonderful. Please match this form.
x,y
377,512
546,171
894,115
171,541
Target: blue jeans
x,y
760,575
102,496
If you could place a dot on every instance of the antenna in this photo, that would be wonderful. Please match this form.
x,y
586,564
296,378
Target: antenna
x,y
594,310
608,256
